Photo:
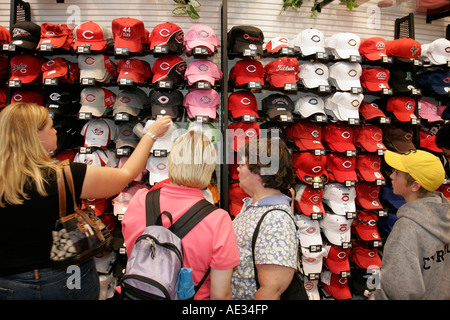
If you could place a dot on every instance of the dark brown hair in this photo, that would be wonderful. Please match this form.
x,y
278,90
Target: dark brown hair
x,y
278,173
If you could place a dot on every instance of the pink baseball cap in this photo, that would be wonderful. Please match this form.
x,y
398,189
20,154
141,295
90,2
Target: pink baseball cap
x,y
201,102
202,70
429,111
200,36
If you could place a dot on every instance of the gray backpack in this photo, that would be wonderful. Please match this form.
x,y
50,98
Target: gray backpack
x,y
155,262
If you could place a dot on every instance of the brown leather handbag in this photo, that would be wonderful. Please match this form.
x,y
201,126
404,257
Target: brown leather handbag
x,y
79,236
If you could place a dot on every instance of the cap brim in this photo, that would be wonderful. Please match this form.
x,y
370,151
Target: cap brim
x,y
240,47
198,111
394,160
375,86
95,46
314,83
342,176
338,208
367,234
200,77
374,56
309,50
57,42
170,111
26,44
307,144
125,109
370,176
341,146
132,45
272,113
241,80
346,85
95,111
278,81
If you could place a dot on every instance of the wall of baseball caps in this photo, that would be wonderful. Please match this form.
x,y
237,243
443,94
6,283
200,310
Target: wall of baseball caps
x,y
335,263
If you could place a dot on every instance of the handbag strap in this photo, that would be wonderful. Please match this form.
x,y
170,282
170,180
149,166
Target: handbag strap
x,y
61,192
69,180
255,236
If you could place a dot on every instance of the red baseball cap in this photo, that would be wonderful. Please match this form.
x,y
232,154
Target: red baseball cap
x,y
5,36
365,226
240,132
309,167
281,71
368,167
428,141
402,107
364,256
167,34
55,68
2,97
403,48
308,199
373,48
306,135
129,33
26,68
242,103
92,34
169,68
367,195
22,95
58,35
136,69
336,286
338,137
236,196
375,79
341,168
369,138
370,110
247,70
337,259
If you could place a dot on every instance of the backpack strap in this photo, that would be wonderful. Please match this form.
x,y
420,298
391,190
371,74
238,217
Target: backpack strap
x,y
152,210
255,236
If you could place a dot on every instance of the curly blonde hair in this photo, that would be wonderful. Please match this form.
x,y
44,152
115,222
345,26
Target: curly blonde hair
x,y
24,162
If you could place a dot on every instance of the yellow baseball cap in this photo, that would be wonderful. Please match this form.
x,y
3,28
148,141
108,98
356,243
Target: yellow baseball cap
x,y
423,166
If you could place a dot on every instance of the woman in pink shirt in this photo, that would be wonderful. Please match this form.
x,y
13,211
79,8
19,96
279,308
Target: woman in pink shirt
x,y
212,242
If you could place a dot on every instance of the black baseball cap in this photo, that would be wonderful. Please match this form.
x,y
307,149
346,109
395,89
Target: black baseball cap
x,y
166,102
25,34
401,79
63,101
245,37
277,104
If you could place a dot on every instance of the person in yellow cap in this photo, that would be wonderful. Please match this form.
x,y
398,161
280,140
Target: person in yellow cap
x,y
416,255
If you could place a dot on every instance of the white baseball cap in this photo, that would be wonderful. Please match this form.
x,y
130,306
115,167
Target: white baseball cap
x,y
347,104
98,158
438,51
343,44
96,100
312,261
310,41
339,198
314,74
309,104
158,168
99,132
336,228
308,231
166,140
345,75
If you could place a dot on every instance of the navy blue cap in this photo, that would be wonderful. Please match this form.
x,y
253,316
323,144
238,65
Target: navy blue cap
x,y
435,81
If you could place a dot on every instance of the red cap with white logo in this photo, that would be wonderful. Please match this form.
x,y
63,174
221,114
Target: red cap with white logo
x,y
373,48
367,195
136,69
26,68
309,167
247,70
242,103
365,226
338,137
129,33
167,34
308,200
169,68
306,135
402,107
240,132
341,168
93,35
375,79
368,167
57,35
282,71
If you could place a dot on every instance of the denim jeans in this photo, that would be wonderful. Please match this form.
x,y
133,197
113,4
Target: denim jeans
x,y
52,284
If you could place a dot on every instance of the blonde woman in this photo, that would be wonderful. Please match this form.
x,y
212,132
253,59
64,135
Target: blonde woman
x,y
29,202
211,243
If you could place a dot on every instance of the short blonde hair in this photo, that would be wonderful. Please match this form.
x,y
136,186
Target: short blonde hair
x,y
192,160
